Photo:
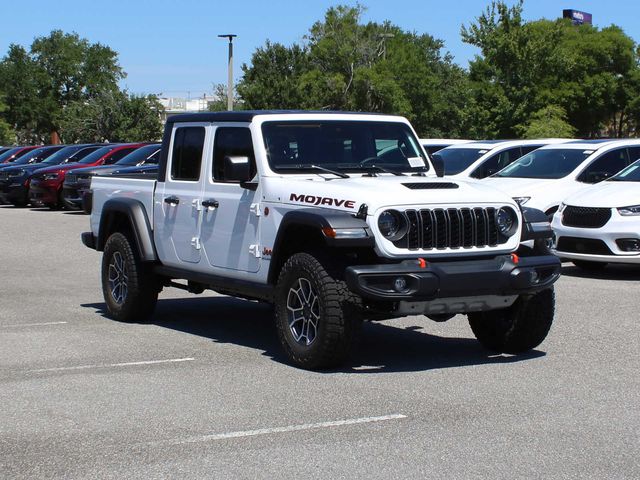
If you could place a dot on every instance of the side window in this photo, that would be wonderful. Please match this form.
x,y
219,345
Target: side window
x,y
634,154
232,142
119,155
186,156
605,166
153,159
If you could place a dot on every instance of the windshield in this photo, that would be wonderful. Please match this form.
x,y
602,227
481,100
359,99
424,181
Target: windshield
x,y
343,146
629,174
545,163
97,155
36,155
61,155
458,159
9,153
145,154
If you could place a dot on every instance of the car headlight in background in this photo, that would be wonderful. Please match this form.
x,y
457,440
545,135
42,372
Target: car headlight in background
x,y
50,176
521,200
629,211
392,224
506,221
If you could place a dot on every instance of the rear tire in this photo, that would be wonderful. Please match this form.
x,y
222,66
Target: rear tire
x,y
129,288
516,329
590,266
317,317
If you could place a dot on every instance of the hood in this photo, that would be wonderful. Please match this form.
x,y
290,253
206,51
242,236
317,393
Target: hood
x,y
607,195
100,169
64,168
381,191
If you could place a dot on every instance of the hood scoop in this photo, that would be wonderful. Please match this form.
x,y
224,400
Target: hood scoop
x,y
430,186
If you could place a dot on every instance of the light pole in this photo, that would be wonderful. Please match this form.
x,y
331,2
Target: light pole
x,y
230,36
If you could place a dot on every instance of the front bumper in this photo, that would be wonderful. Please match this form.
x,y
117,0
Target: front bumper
x,y
14,192
598,244
41,193
501,276
72,197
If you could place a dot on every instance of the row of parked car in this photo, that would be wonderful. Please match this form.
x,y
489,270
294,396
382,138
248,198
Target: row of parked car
x,y
59,176
589,189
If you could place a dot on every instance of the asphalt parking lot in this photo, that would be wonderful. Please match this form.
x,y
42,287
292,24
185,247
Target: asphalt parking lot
x,y
203,391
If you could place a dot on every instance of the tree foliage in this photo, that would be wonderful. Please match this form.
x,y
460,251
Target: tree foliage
x,y
112,116
58,71
526,67
345,64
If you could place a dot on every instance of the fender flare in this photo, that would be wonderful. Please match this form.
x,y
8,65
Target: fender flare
x,y
138,219
320,220
535,225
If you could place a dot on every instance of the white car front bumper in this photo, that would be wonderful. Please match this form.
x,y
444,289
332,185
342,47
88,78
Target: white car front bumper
x,y
597,244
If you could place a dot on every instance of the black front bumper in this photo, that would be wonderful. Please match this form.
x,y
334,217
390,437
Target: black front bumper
x,y
410,281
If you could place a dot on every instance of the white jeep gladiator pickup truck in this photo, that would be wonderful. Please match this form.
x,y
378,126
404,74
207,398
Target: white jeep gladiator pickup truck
x,y
334,218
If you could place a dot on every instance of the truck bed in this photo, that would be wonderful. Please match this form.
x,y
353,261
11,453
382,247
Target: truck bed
x,y
105,188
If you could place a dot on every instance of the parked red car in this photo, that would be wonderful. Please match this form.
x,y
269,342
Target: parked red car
x,y
46,183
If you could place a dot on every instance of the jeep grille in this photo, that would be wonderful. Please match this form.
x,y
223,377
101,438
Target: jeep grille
x,y
441,228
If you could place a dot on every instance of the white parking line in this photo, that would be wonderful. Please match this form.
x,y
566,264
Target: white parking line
x,y
33,324
108,365
289,428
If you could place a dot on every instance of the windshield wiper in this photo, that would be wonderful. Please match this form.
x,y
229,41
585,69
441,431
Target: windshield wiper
x,y
383,169
326,170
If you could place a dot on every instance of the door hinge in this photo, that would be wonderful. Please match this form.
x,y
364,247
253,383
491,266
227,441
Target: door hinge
x,y
195,203
255,251
255,209
195,243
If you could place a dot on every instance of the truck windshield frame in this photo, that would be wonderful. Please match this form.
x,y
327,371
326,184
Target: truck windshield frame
x,y
348,146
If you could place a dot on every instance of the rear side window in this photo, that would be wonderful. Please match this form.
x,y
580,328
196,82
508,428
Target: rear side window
x,y
497,162
186,156
634,154
119,155
606,166
231,142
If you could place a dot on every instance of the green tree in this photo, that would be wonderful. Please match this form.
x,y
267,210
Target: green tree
x,y
548,122
59,69
113,117
523,67
346,64
7,135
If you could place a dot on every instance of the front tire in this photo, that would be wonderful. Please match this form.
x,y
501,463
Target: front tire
x,y
516,329
317,317
129,288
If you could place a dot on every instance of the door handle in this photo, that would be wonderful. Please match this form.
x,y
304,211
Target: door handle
x,y
210,203
172,200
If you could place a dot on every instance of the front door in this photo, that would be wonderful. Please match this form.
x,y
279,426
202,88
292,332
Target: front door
x,y
230,213
177,200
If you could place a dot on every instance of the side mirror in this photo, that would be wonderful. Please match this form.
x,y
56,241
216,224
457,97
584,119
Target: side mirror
x,y
237,169
438,165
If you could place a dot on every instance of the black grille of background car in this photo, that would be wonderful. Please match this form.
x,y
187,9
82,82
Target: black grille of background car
x,y
71,179
430,186
583,245
585,217
450,228
4,175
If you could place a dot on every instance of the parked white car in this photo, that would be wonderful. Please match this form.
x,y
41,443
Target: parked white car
x,y
543,178
601,224
479,159
433,145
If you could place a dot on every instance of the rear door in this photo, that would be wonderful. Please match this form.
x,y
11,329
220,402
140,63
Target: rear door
x,y
177,199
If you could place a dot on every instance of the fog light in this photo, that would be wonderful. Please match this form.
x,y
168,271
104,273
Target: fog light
x,y
400,284
628,244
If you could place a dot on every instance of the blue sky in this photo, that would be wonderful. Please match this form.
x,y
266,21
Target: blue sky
x,y
170,47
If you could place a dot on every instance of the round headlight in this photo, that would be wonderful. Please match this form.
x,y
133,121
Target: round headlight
x,y
392,225
506,221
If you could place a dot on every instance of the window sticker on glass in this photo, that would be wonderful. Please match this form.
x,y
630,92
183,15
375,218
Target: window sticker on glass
x,y
415,162
482,152
588,152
